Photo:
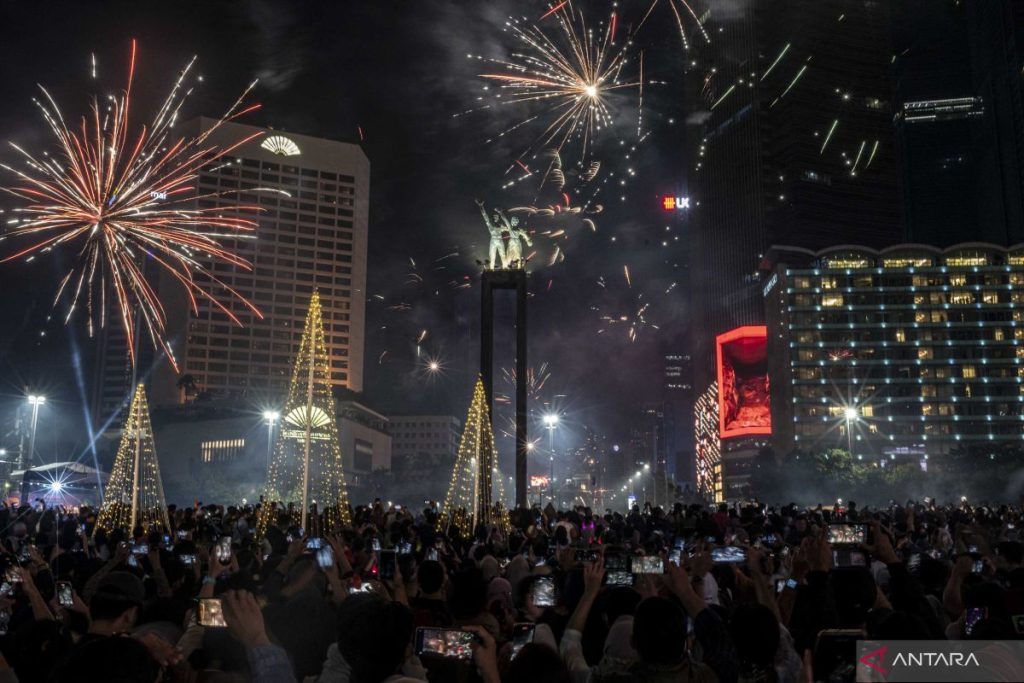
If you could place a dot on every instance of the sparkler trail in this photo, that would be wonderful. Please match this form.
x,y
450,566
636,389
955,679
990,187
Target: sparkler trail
x,y
122,199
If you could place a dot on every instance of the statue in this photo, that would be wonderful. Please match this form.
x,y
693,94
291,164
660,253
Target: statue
x,y
514,250
505,249
497,249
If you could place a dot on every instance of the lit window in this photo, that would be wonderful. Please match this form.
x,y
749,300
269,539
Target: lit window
x,y
961,298
901,335
969,371
990,297
832,300
222,450
925,353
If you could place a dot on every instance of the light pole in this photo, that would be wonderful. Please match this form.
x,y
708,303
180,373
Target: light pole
x,y
550,422
851,414
35,401
271,416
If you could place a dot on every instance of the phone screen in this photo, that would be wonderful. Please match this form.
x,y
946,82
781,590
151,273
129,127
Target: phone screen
x,y
544,592
521,635
847,534
432,554
849,558
187,559
974,615
647,565
64,596
977,567
325,557
224,549
375,544
728,555
586,555
443,642
211,613
314,544
140,549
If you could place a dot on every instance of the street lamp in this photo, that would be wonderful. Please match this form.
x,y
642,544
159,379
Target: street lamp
x,y
271,416
35,401
550,422
851,414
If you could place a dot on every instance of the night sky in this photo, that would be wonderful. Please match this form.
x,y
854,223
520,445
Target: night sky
x,y
399,71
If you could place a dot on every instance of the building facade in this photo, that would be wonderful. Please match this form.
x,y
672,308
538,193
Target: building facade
x,y
708,453
220,451
425,436
911,350
313,196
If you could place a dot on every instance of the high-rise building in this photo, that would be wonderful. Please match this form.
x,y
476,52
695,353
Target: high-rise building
x,y
434,437
313,196
678,406
900,353
960,120
798,148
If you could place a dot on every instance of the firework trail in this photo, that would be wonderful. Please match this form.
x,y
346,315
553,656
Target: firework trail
x,y
121,198
573,70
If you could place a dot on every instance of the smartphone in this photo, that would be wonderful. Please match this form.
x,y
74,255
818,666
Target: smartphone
x,y
977,567
375,544
973,550
445,642
616,570
676,556
847,534
521,635
140,549
405,548
768,539
728,555
182,534
24,555
835,649
783,584
188,559
650,564
64,596
167,540
586,556
361,588
974,615
224,549
325,557
6,589
388,558
398,508
314,543
914,563
544,592
211,613
132,562
432,554
843,558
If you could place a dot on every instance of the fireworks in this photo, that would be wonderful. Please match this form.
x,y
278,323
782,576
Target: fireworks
x,y
573,71
120,199
683,7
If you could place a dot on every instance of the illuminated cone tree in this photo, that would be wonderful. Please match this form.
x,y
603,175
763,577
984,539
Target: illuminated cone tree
x,y
475,476
134,494
307,465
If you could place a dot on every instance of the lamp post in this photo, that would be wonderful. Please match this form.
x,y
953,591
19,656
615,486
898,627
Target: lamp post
x,y
550,422
35,401
271,416
851,414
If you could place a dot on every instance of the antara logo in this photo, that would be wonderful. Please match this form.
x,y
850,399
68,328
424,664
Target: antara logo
x,y
875,659
936,659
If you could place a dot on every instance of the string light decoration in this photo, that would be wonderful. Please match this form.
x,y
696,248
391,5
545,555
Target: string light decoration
x,y
307,464
134,495
475,476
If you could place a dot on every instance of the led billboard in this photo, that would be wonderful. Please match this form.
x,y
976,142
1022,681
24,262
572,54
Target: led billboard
x,y
743,397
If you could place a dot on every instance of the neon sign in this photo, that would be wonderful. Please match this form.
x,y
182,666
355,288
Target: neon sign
x,y
673,203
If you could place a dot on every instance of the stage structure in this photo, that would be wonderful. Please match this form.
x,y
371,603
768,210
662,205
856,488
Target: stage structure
x,y
134,495
307,464
476,492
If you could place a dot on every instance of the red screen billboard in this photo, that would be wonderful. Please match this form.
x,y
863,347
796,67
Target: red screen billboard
x,y
743,397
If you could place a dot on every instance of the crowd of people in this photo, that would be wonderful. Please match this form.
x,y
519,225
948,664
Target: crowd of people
x,y
740,592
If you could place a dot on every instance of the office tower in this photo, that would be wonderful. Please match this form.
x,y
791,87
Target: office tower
x,y
900,353
960,120
797,148
312,234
